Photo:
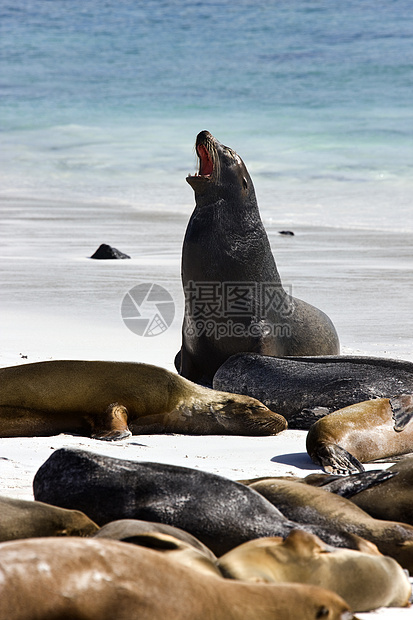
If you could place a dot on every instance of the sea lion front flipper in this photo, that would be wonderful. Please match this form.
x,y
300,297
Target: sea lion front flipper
x,y
402,408
355,483
335,460
113,426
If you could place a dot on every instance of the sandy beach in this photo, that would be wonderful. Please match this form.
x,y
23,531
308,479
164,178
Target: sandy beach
x,y
56,303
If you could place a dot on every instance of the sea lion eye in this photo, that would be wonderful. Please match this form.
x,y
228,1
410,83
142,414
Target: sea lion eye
x,y
244,182
323,612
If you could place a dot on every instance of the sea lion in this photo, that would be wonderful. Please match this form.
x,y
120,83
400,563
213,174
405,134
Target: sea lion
x,y
219,512
20,518
174,542
364,432
47,398
346,486
393,499
304,503
235,300
305,389
365,581
128,530
85,579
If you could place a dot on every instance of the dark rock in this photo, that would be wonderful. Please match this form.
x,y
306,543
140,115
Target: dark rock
x,y
105,251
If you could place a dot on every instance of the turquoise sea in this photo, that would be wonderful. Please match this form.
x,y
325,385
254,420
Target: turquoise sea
x,y
102,101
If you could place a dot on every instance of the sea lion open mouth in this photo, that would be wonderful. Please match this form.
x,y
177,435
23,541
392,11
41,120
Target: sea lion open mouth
x,y
208,161
206,166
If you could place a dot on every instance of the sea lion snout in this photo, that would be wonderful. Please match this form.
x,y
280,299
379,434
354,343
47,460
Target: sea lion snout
x,y
252,414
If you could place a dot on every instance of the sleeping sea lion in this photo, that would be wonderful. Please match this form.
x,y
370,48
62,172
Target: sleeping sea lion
x,y
364,580
308,388
219,512
85,579
180,546
108,398
364,432
21,518
393,499
304,503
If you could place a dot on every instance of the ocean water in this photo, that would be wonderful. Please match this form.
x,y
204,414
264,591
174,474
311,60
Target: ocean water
x,y
102,101
100,105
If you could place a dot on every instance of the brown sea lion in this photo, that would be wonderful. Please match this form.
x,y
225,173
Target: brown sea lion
x,y
364,432
127,529
104,398
21,518
235,301
308,504
85,579
365,581
174,542
393,498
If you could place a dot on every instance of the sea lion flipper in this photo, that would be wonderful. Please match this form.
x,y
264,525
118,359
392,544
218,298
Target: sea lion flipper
x,y
114,425
355,483
335,460
402,408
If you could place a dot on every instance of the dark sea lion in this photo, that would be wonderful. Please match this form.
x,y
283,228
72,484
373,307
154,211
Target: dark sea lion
x,y
393,499
235,300
47,398
365,581
304,503
364,432
305,389
21,518
219,512
80,579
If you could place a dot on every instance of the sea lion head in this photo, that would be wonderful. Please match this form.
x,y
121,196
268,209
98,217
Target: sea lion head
x,y
221,172
246,415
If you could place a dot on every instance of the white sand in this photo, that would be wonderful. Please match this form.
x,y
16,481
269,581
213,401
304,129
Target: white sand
x,y
56,304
